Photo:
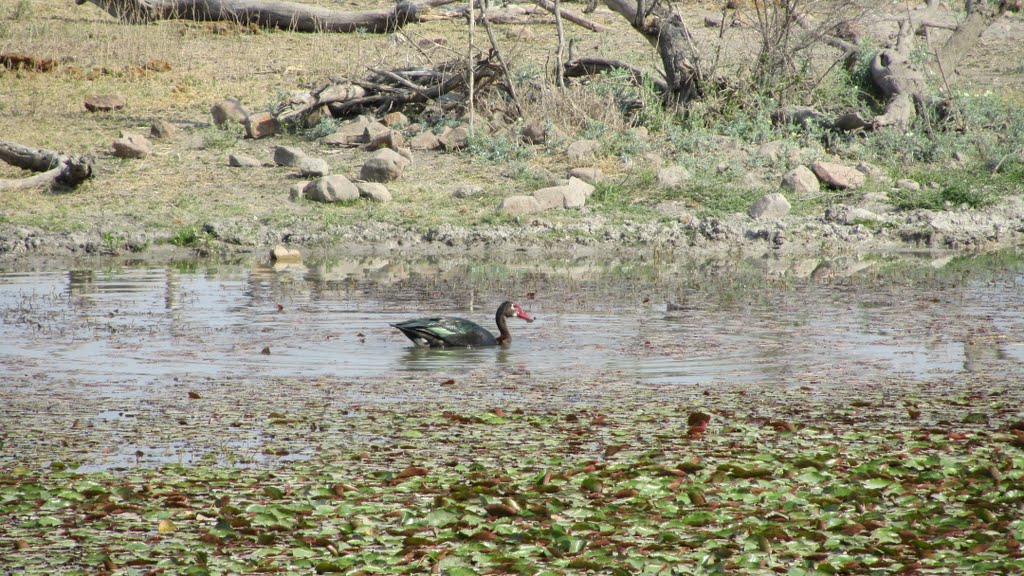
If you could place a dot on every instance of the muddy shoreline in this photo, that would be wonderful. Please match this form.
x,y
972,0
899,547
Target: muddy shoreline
x,y
737,235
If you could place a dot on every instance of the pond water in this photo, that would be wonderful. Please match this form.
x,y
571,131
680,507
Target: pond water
x,y
675,323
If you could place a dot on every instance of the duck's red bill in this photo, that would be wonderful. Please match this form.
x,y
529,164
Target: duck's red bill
x,y
525,316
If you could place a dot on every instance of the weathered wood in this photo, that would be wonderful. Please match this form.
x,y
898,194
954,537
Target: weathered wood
x,y
666,31
269,13
591,66
980,17
55,168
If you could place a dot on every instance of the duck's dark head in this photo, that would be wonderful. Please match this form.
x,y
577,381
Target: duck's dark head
x,y
513,310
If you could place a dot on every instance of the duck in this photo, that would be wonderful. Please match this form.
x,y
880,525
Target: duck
x,y
452,332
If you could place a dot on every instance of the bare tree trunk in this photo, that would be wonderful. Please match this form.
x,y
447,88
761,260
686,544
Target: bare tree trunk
x,y
980,17
666,31
56,168
270,13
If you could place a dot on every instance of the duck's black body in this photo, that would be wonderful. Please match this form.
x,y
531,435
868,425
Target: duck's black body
x,y
450,332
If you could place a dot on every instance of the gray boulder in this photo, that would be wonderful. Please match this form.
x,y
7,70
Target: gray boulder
x,y
384,166
801,180
132,146
772,205
333,188
373,191
313,167
516,205
838,176
288,155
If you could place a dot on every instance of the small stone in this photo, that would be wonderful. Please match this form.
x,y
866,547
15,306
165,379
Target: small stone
x,y
132,146
467,191
384,166
672,176
389,139
516,205
350,133
288,155
838,176
772,205
261,125
907,184
162,129
774,150
104,102
590,175
425,141
581,150
455,139
297,191
394,119
548,198
243,161
801,181
228,110
282,254
575,193
333,188
374,191
313,167
534,132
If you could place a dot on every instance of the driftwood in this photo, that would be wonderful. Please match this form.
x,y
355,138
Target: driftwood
x,y
385,90
55,169
591,66
269,13
665,30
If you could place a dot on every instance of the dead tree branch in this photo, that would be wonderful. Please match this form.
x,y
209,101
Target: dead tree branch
x,y
56,169
269,13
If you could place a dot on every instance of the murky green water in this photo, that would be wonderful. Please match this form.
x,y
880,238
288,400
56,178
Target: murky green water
x,y
660,322
116,366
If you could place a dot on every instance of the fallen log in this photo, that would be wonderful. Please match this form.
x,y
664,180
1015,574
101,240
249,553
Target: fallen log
x,y
269,13
56,169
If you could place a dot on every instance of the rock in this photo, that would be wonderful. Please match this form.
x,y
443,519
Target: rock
x,y
243,161
313,167
467,191
774,150
801,180
388,139
548,198
516,205
288,155
772,205
349,134
374,191
582,150
104,102
132,146
534,132
384,166
228,110
282,254
394,119
676,210
838,176
849,216
672,176
454,139
333,188
907,184
575,193
425,141
162,129
590,175
261,125
297,191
